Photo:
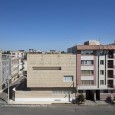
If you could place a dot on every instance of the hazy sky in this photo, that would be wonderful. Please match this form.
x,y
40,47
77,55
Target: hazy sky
x,y
55,24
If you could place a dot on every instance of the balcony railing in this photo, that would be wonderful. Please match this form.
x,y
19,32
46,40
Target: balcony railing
x,y
110,76
110,56
110,66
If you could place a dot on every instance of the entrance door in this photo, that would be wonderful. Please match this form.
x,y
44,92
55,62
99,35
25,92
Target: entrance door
x,y
90,95
97,94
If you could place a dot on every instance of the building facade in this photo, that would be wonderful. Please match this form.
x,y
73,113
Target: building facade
x,y
50,78
14,69
5,71
95,70
25,67
19,55
57,77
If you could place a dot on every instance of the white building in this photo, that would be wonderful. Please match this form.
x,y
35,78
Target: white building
x,y
14,69
25,67
5,70
19,55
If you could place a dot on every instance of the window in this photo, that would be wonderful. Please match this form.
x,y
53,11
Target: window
x,y
58,92
87,52
13,53
87,72
46,68
87,82
101,72
87,62
101,62
101,82
68,78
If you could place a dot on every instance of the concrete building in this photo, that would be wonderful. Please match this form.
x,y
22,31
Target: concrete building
x,y
92,42
56,77
14,69
50,78
25,67
19,55
95,69
5,71
9,69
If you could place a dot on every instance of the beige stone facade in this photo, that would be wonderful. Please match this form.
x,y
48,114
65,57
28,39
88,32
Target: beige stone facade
x,y
50,78
49,70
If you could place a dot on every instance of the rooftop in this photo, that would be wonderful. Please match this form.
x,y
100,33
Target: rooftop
x,y
95,47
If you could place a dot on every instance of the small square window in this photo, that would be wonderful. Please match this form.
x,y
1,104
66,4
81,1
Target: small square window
x,y
101,82
101,62
101,72
68,78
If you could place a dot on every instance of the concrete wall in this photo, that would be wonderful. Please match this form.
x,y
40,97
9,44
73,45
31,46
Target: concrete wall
x,y
42,96
51,78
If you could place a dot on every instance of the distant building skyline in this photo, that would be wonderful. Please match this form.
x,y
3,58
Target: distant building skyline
x,y
59,24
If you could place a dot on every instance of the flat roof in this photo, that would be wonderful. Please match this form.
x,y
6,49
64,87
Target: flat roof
x,y
95,47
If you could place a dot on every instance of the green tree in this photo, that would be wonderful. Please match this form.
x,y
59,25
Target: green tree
x,y
81,98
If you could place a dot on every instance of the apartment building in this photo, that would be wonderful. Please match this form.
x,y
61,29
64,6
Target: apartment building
x,y
25,67
14,69
50,78
95,69
5,70
19,55
9,69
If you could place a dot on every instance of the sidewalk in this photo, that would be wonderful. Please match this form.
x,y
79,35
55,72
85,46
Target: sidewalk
x,y
89,102
100,102
28,102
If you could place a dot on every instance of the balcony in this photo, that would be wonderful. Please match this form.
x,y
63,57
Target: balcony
x,y
110,83
110,54
110,74
110,64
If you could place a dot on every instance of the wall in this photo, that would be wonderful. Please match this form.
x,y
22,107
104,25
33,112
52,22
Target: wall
x,y
50,78
42,96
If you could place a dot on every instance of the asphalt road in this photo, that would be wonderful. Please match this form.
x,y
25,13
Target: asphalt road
x,y
59,110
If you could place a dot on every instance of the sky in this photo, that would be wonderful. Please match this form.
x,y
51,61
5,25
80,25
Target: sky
x,y
55,24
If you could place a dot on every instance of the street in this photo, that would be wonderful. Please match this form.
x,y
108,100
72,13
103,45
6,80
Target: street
x,y
4,94
58,110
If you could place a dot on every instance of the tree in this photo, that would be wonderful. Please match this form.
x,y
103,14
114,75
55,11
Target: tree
x,y
81,98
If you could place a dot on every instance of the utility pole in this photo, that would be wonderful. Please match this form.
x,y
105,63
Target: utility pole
x,y
76,90
8,89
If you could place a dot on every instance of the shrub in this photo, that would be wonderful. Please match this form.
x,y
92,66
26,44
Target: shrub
x,y
81,98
